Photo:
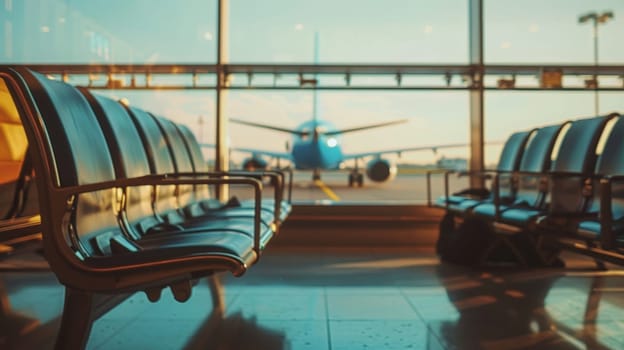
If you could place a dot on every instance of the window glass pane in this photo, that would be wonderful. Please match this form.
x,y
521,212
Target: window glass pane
x,y
392,31
111,31
324,31
535,31
538,108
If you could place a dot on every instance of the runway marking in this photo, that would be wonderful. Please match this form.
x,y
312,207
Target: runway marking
x,y
327,190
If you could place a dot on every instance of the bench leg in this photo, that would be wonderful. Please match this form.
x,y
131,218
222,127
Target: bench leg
x,y
600,265
504,241
216,290
76,321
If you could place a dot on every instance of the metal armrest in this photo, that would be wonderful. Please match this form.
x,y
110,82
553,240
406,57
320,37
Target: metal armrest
x,y
279,183
276,176
64,195
487,174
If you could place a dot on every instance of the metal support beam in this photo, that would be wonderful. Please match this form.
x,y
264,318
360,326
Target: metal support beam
x,y
477,91
127,76
222,160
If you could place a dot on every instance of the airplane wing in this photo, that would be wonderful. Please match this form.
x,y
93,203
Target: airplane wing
x,y
398,151
270,127
257,152
301,133
253,151
365,127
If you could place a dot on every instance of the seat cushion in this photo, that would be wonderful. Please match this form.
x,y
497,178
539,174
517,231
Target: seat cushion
x,y
458,206
520,217
487,210
452,200
177,247
590,227
246,206
211,225
593,227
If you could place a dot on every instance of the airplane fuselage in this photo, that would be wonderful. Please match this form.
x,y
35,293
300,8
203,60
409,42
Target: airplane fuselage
x,y
315,150
316,147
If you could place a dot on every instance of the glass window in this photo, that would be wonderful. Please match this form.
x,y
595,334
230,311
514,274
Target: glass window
x,y
396,31
510,111
112,31
535,31
328,31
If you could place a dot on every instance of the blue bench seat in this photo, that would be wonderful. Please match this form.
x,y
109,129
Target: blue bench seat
x,y
98,190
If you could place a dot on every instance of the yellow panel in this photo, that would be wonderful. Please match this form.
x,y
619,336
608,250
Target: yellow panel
x,y
9,171
8,112
13,142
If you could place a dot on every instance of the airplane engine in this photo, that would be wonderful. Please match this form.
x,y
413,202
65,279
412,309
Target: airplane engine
x,y
254,163
380,170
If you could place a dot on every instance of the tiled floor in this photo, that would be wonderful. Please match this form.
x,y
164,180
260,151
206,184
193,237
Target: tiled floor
x,y
344,298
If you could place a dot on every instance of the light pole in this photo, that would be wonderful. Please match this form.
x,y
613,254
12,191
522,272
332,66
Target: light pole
x,y
596,18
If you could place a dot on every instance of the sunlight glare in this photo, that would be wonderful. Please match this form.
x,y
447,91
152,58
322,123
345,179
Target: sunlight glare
x,y
534,28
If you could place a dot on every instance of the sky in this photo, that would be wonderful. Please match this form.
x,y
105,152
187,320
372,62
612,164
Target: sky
x,y
350,31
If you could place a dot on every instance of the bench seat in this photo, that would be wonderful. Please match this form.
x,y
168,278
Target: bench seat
x,y
98,191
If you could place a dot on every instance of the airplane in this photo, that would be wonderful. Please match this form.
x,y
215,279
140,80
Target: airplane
x,y
316,146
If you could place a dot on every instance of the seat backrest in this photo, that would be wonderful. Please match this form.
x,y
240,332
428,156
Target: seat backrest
x,y
511,155
536,159
576,154
182,163
199,163
611,162
197,158
509,162
130,160
70,150
161,162
181,159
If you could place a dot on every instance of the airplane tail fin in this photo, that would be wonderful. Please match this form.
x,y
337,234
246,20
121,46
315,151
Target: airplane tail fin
x,y
315,92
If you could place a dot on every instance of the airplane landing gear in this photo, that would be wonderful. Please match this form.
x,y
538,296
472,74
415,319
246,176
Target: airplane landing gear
x,y
316,175
356,177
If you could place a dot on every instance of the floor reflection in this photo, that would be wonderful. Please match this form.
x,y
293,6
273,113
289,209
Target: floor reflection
x,y
342,298
497,312
13,325
506,309
235,333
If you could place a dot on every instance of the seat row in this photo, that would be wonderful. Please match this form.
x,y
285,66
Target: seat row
x,y
125,200
555,187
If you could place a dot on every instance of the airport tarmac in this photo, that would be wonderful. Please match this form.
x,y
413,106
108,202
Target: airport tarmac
x,y
403,189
